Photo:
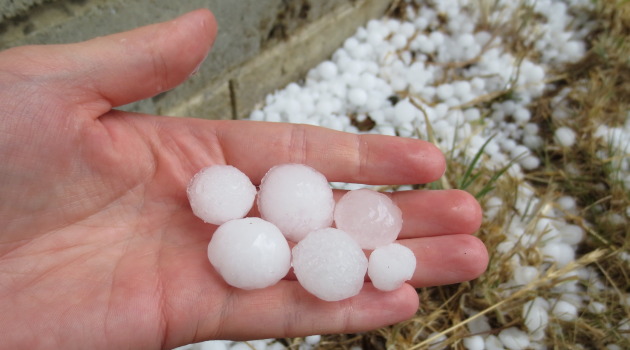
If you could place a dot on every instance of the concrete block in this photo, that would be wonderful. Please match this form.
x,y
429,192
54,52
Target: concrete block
x,y
287,61
12,8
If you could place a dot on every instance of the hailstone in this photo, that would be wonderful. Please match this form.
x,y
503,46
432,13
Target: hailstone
x,y
220,193
249,253
390,266
297,199
329,264
370,217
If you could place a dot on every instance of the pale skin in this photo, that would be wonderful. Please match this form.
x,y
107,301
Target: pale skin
x,y
99,248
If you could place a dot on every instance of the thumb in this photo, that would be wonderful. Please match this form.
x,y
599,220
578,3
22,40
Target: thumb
x,y
117,69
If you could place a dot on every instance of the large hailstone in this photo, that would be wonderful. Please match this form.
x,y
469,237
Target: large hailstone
x,y
329,264
220,193
390,266
297,199
370,217
250,253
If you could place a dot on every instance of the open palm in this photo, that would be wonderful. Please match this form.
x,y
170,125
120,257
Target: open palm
x,y
98,246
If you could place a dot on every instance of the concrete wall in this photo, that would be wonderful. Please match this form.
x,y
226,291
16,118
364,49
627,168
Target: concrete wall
x,y
261,45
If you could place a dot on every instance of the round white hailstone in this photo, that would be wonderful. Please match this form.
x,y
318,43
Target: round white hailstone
x,y
565,311
532,141
241,346
536,317
292,107
514,339
293,89
357,96
596,307
327,70
273,117
370,217
362,51
572,234
250,253
474,342
472,114
530,162
520,151
350,44
296,118
214,345
329,264
565,136
531,129
390,266
399,41
312,339
493,343
445,91
522,115
561,253
407,29
405,112
257,115
478,84
386,130
297,199
574,50
324,107
466,40
525,274
437,38
461,89
479,324
260,344
425,44
398,83
275,345
567,203
508,106
437,343
220,193
367,81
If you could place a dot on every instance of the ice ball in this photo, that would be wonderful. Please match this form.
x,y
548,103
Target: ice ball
x,y
220,193
357,96
297,199
536,317
514,338
249,253
370,217
565,136
390,266
474,342
565,311
405,111
329,264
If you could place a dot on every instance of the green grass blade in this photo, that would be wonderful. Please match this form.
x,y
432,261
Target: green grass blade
x,y
467,179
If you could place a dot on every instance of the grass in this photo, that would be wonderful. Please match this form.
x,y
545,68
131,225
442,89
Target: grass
x,y
599,93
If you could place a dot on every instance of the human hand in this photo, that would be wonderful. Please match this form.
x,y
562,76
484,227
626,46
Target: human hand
x,y
99,247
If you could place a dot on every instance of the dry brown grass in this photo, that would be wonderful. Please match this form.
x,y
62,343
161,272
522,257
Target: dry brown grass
x,y
600,94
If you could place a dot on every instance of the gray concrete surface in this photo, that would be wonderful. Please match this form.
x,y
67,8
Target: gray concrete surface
x,y
247,30
12,8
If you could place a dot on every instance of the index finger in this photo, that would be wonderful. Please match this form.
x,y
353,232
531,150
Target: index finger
x,y
255,147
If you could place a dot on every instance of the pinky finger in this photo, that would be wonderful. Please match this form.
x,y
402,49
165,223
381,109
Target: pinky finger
x,y
442,260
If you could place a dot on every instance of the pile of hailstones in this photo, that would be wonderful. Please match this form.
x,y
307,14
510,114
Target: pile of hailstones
x,y
296,204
